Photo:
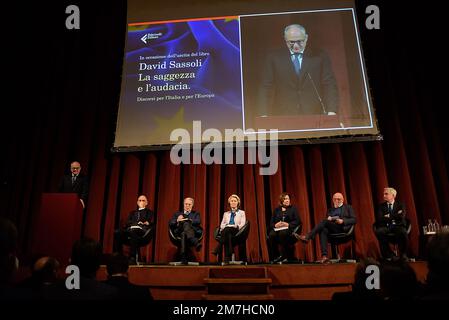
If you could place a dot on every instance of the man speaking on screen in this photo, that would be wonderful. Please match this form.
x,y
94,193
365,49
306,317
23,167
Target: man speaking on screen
x,y
298,79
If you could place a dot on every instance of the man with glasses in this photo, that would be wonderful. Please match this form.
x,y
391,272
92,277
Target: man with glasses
x,y
75,182
136,231
296,80
338,219
187,225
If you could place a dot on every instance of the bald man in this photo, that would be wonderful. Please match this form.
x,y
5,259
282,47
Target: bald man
x,y
339,219
136,232
297,79
75,182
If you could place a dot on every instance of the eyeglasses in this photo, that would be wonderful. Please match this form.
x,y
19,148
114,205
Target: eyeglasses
x,y
75,168
297,42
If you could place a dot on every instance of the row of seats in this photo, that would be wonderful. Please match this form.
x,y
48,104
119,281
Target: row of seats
x,y
240,238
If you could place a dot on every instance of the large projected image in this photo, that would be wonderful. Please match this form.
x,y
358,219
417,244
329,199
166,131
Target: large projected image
x,y
303,73
177,72
300,73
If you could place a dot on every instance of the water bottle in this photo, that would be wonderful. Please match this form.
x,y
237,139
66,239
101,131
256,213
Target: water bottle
x,y
430,225
437,225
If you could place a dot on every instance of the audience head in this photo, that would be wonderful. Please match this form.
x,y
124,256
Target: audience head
x,y
45,270
359,287
117,265
8,243
86,254
438,259
398,281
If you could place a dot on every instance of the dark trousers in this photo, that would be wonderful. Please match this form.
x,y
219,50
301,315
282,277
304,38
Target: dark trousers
x,y
282,239
385,235
226,240
323,229
131,237
188,238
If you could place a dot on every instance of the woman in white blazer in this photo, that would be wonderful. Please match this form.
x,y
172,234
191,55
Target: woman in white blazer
x,y
233,220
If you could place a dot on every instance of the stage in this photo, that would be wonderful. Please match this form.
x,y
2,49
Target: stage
x,y
252,282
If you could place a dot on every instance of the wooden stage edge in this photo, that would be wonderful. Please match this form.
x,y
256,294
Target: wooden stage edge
x,y
288,281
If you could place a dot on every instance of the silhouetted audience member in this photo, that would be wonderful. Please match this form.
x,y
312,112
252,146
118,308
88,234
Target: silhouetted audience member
x,y
9,263
86,254
398,281
360,290
44,272
437,282
117,269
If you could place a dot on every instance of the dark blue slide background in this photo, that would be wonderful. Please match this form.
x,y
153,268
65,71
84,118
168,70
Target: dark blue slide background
x,y
214,42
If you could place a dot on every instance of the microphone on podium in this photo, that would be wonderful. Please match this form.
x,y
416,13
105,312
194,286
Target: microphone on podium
x,y
317,93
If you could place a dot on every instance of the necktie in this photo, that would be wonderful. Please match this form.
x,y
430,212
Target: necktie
x,y
73,180
231,221
296,63
390,208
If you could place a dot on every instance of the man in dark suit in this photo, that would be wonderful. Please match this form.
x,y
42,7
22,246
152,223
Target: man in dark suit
x,y
187,225
296,81
139,224
75,182
390,219
339,219
117,269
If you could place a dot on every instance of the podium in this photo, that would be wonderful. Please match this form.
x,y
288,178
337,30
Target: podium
x,y
57,226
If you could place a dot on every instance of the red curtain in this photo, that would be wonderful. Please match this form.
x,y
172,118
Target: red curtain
x,y
73,116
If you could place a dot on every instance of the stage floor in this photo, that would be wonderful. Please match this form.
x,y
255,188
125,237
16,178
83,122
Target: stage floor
x,y
288,281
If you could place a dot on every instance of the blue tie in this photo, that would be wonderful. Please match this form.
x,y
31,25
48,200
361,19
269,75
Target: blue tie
x,y
296,63
231,221
390,208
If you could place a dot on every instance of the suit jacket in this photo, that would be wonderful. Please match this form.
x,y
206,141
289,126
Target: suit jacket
x,y
396,217
140,215
282,92
195,218
290,216
240,219
81,186
347,215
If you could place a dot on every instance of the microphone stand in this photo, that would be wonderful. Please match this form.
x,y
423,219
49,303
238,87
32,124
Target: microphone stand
x,y
317,93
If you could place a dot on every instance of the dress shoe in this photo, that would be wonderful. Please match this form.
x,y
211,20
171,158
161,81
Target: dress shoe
x,y
278,259
324,260
285,260
303,238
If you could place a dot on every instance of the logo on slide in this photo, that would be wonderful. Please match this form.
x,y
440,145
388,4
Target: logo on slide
x,y
150,36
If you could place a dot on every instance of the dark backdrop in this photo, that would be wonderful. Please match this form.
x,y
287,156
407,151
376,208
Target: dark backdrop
x,y
60,98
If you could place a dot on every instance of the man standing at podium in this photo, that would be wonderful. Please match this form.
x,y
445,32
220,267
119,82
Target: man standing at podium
x,y
75,182
296,80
